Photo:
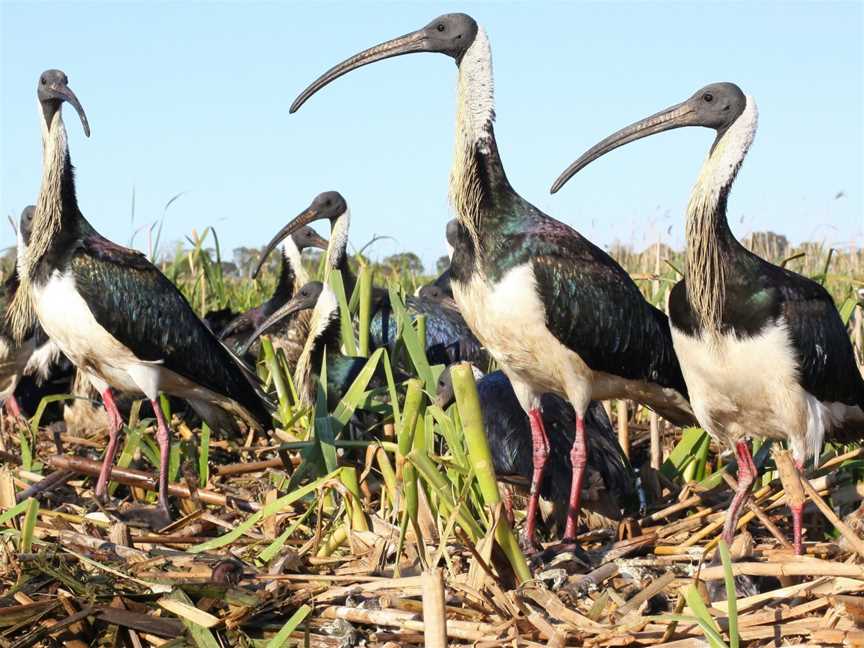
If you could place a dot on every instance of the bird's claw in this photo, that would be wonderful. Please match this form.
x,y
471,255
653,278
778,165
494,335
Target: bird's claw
x,y
565,551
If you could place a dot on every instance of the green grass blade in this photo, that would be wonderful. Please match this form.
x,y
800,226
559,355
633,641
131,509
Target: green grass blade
x,y
281,638
13,512
267,511
683,453
346,328
204,456
29,524
731,601
345,408
202,636
411,339
706,621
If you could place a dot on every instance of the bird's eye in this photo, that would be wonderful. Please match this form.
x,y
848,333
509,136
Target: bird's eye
x,y
440,27
708,97
43,81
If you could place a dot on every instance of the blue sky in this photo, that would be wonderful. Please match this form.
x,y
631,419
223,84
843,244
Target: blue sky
x,y
194,98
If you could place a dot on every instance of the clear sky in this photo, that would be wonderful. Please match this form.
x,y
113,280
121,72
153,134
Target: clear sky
x,y
194,98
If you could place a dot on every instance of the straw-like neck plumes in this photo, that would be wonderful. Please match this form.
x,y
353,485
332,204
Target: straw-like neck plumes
x,y
475,114
338,243
292,254
55,202
708,233
323,333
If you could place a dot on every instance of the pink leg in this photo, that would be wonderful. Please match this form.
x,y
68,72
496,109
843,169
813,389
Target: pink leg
x,y
12,407
578,459
115,423
798,519
541,452
746,477
163,437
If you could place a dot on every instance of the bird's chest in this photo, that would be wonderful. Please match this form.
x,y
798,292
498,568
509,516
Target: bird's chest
x,y
743,385
509,319
68,320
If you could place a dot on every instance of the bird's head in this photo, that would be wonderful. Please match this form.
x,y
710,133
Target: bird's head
x,y
329,205
444,394
431,292
306,238
450,34
715,106
25,225
52,90
305,298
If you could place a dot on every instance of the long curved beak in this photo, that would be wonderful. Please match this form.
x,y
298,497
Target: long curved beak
x,y
303,218
242,321
292,306
674,117
407,44
318,241
66,93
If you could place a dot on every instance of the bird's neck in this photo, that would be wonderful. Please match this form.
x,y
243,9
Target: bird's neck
x,y
477,178
710,243
54,222
286,287
323,334
56,207
336,254
293,275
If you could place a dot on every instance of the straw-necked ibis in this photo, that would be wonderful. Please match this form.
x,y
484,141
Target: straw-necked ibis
x,y
763,349
556,312
114,314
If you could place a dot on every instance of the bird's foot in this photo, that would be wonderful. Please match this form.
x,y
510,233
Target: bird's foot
x,y
154,518
566,551
744,585
529,546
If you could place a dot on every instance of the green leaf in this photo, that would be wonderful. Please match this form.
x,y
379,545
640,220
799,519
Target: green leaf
x,y
26,451
267,511
281,638
706,621
731,602
202,636
269,552
345,408
204,456
411,339
684,452
133,441
29,524
846,310
346,328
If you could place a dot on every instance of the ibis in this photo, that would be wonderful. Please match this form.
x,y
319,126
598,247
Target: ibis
x,y
293,276
763,349
36,355
324,337
115,315
448,338
556,312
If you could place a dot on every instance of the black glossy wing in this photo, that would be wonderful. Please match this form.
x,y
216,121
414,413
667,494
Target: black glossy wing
x,y
144,311
825,356
594,308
